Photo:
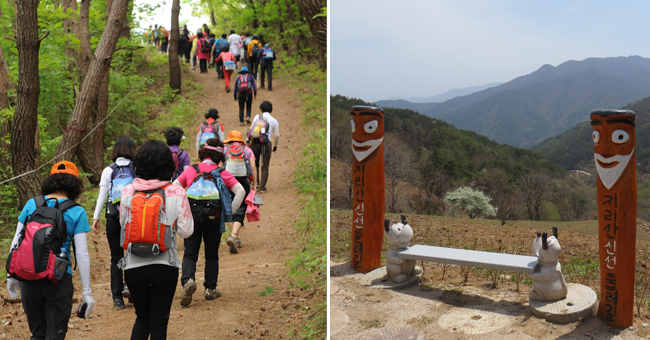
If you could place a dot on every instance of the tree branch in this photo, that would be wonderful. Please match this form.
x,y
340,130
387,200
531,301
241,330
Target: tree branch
x,y
47,33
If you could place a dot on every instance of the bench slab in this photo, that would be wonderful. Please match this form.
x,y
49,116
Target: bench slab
x,y
472,258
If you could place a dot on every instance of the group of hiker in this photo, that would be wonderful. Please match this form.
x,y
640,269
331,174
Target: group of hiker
x,y
151,195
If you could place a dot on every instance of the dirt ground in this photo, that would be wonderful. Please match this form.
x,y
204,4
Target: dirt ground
x,y
241,313
489,305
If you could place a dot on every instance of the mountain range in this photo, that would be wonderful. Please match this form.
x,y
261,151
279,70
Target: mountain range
x,y
453,93
529,109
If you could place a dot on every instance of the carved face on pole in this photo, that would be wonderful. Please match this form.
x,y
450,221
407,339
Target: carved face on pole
x,y
367,132
614,154
613,144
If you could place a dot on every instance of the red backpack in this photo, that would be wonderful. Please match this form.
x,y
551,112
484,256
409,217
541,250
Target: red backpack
x,y
34,258
177,158
244,84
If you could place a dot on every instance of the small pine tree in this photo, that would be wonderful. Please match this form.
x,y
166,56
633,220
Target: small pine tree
x,y
471,201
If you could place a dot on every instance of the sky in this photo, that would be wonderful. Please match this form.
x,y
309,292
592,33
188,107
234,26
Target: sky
x,y
163,15
381,49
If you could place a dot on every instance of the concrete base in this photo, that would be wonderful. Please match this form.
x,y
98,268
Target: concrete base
x,y
378,278
338,321
581,301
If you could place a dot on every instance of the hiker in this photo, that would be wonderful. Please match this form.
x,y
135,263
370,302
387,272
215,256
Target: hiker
x,y
229,66
206,30
253,47
244,56
220,45
174,136
245,91
151,267
202,52
156,36
209,218
267,55
235,44
48,305
211,40
164,40
210,128
259,139
184,45
194,50
114,178
238,162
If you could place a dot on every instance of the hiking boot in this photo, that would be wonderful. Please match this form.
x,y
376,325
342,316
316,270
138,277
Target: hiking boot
x,y
241,123
270,89
211,294
227,89
248,120
188,289
125,292
233,243
118,304
262,190
262,87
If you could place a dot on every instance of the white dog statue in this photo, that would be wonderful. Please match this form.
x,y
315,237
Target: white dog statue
x,y
399,236
548,281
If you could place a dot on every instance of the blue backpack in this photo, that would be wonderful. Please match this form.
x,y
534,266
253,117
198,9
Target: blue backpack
x,y
121,176
209,197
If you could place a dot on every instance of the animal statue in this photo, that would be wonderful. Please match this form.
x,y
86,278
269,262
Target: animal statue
x,y
399,235
548,281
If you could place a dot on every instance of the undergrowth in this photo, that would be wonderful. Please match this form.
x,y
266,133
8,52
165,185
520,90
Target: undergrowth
x,y
308,266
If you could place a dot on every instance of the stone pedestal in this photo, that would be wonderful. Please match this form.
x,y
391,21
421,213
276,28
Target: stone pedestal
x,y
378,278
581,301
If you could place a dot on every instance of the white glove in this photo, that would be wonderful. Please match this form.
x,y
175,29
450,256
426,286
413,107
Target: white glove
x,y
88,299
12,285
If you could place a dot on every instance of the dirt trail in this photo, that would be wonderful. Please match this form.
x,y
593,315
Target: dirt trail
x,y
240,313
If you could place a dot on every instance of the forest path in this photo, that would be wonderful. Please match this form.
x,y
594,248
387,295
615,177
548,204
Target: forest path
x,y
241,313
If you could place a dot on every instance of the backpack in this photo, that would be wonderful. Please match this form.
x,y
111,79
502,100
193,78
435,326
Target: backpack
x,y
256,50
268,53
146,233
208,131
236,161
121,176
208,195
260,130
177,159
204,46
229,65
223,46
245,85
247,41
34,258
183,38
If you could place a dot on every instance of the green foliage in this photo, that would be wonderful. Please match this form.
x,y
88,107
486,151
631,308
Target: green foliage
x,y
267,291
473,202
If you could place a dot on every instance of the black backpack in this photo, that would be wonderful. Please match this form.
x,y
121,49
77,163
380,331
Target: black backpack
x,y
184,39
256,50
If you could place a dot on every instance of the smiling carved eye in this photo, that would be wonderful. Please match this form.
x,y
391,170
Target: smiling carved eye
x,y
354,125
595,136
620,136
371,127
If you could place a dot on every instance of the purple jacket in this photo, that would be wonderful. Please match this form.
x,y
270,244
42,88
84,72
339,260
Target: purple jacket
x,y
183,159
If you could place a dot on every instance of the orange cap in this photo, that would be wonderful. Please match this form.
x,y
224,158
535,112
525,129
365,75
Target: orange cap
x,y
234,136
64,167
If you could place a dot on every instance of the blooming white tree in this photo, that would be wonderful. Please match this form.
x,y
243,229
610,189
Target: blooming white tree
x,y
471,201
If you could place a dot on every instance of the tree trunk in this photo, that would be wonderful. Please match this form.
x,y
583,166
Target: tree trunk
x,y
99,66
25,151
317,25
212,19
174,34
5,125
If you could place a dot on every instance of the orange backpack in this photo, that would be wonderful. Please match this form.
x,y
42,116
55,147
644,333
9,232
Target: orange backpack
x,y
146,233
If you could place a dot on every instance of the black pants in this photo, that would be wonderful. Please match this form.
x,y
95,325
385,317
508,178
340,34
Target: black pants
x,y
246,99
186,53
152,290
203,64
48,307
262,153
240,214
219,69
211,239
270,73
253,62
113,235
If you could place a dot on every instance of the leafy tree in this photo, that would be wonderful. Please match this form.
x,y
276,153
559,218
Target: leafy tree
x,y
471,201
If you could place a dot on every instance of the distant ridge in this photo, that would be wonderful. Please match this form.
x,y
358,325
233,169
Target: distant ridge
x,y
549,101
445,96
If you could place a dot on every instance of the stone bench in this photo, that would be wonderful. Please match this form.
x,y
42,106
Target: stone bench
x,y
472,258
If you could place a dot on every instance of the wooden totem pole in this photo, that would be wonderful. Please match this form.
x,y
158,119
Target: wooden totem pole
x,y
614,154
369,195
